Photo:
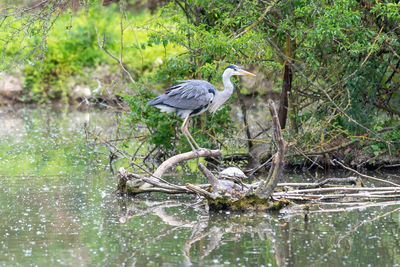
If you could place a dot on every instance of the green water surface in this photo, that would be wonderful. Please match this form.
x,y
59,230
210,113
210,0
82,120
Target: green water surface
x,y
57,209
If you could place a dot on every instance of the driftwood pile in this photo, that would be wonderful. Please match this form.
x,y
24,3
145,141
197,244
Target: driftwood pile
x,y
270,193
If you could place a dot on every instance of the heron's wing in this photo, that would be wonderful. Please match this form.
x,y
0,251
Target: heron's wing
x,y
187,95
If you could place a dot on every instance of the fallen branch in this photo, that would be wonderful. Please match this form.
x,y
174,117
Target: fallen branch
x,y
131,183
331,196
199,191
213,180
318,207
331,181
392,166
332,189
340,192
364,175
182,157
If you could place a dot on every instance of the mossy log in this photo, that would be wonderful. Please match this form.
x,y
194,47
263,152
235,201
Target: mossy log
x,y
248,202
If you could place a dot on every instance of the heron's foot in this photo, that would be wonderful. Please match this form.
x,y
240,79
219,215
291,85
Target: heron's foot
x,y
196,153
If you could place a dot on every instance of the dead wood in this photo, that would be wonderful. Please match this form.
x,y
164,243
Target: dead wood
x,y
182,157
131,183
213,180
334,189
325,207
342,193
222,194
365,176
328,182
198,190
267,186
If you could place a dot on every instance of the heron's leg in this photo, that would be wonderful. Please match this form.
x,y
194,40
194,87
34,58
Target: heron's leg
x,y
190,136
186,132
194,141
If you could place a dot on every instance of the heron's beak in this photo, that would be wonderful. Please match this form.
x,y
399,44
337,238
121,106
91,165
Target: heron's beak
x,y
243,72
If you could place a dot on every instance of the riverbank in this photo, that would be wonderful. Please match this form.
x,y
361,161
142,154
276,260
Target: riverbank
x,y
355,153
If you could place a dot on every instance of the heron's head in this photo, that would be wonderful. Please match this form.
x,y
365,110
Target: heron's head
x,y
236,70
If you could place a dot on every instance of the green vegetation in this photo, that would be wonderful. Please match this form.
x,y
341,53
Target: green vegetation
x,y
164,128
340,63
71,54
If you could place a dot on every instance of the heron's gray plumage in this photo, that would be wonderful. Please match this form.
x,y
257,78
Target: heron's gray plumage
x,y
192,97
186,97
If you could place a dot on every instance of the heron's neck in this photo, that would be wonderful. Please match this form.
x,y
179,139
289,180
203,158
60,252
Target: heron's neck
x,y
228,85
222,96
228,88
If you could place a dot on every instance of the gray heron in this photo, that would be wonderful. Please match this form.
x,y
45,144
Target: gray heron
x,y
189,98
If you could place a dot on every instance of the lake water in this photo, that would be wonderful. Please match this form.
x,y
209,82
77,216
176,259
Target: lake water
x,y
57,208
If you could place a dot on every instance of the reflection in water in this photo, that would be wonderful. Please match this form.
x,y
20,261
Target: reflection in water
x,y
258,239
48,142
57,208
10,125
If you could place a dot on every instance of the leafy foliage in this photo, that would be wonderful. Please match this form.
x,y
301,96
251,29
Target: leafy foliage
x,y
346,82
164,128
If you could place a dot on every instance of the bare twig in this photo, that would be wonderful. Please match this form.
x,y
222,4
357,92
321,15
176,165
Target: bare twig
x,y
338,207
102,46
260,166
332,196
307,157
392,166
333,149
